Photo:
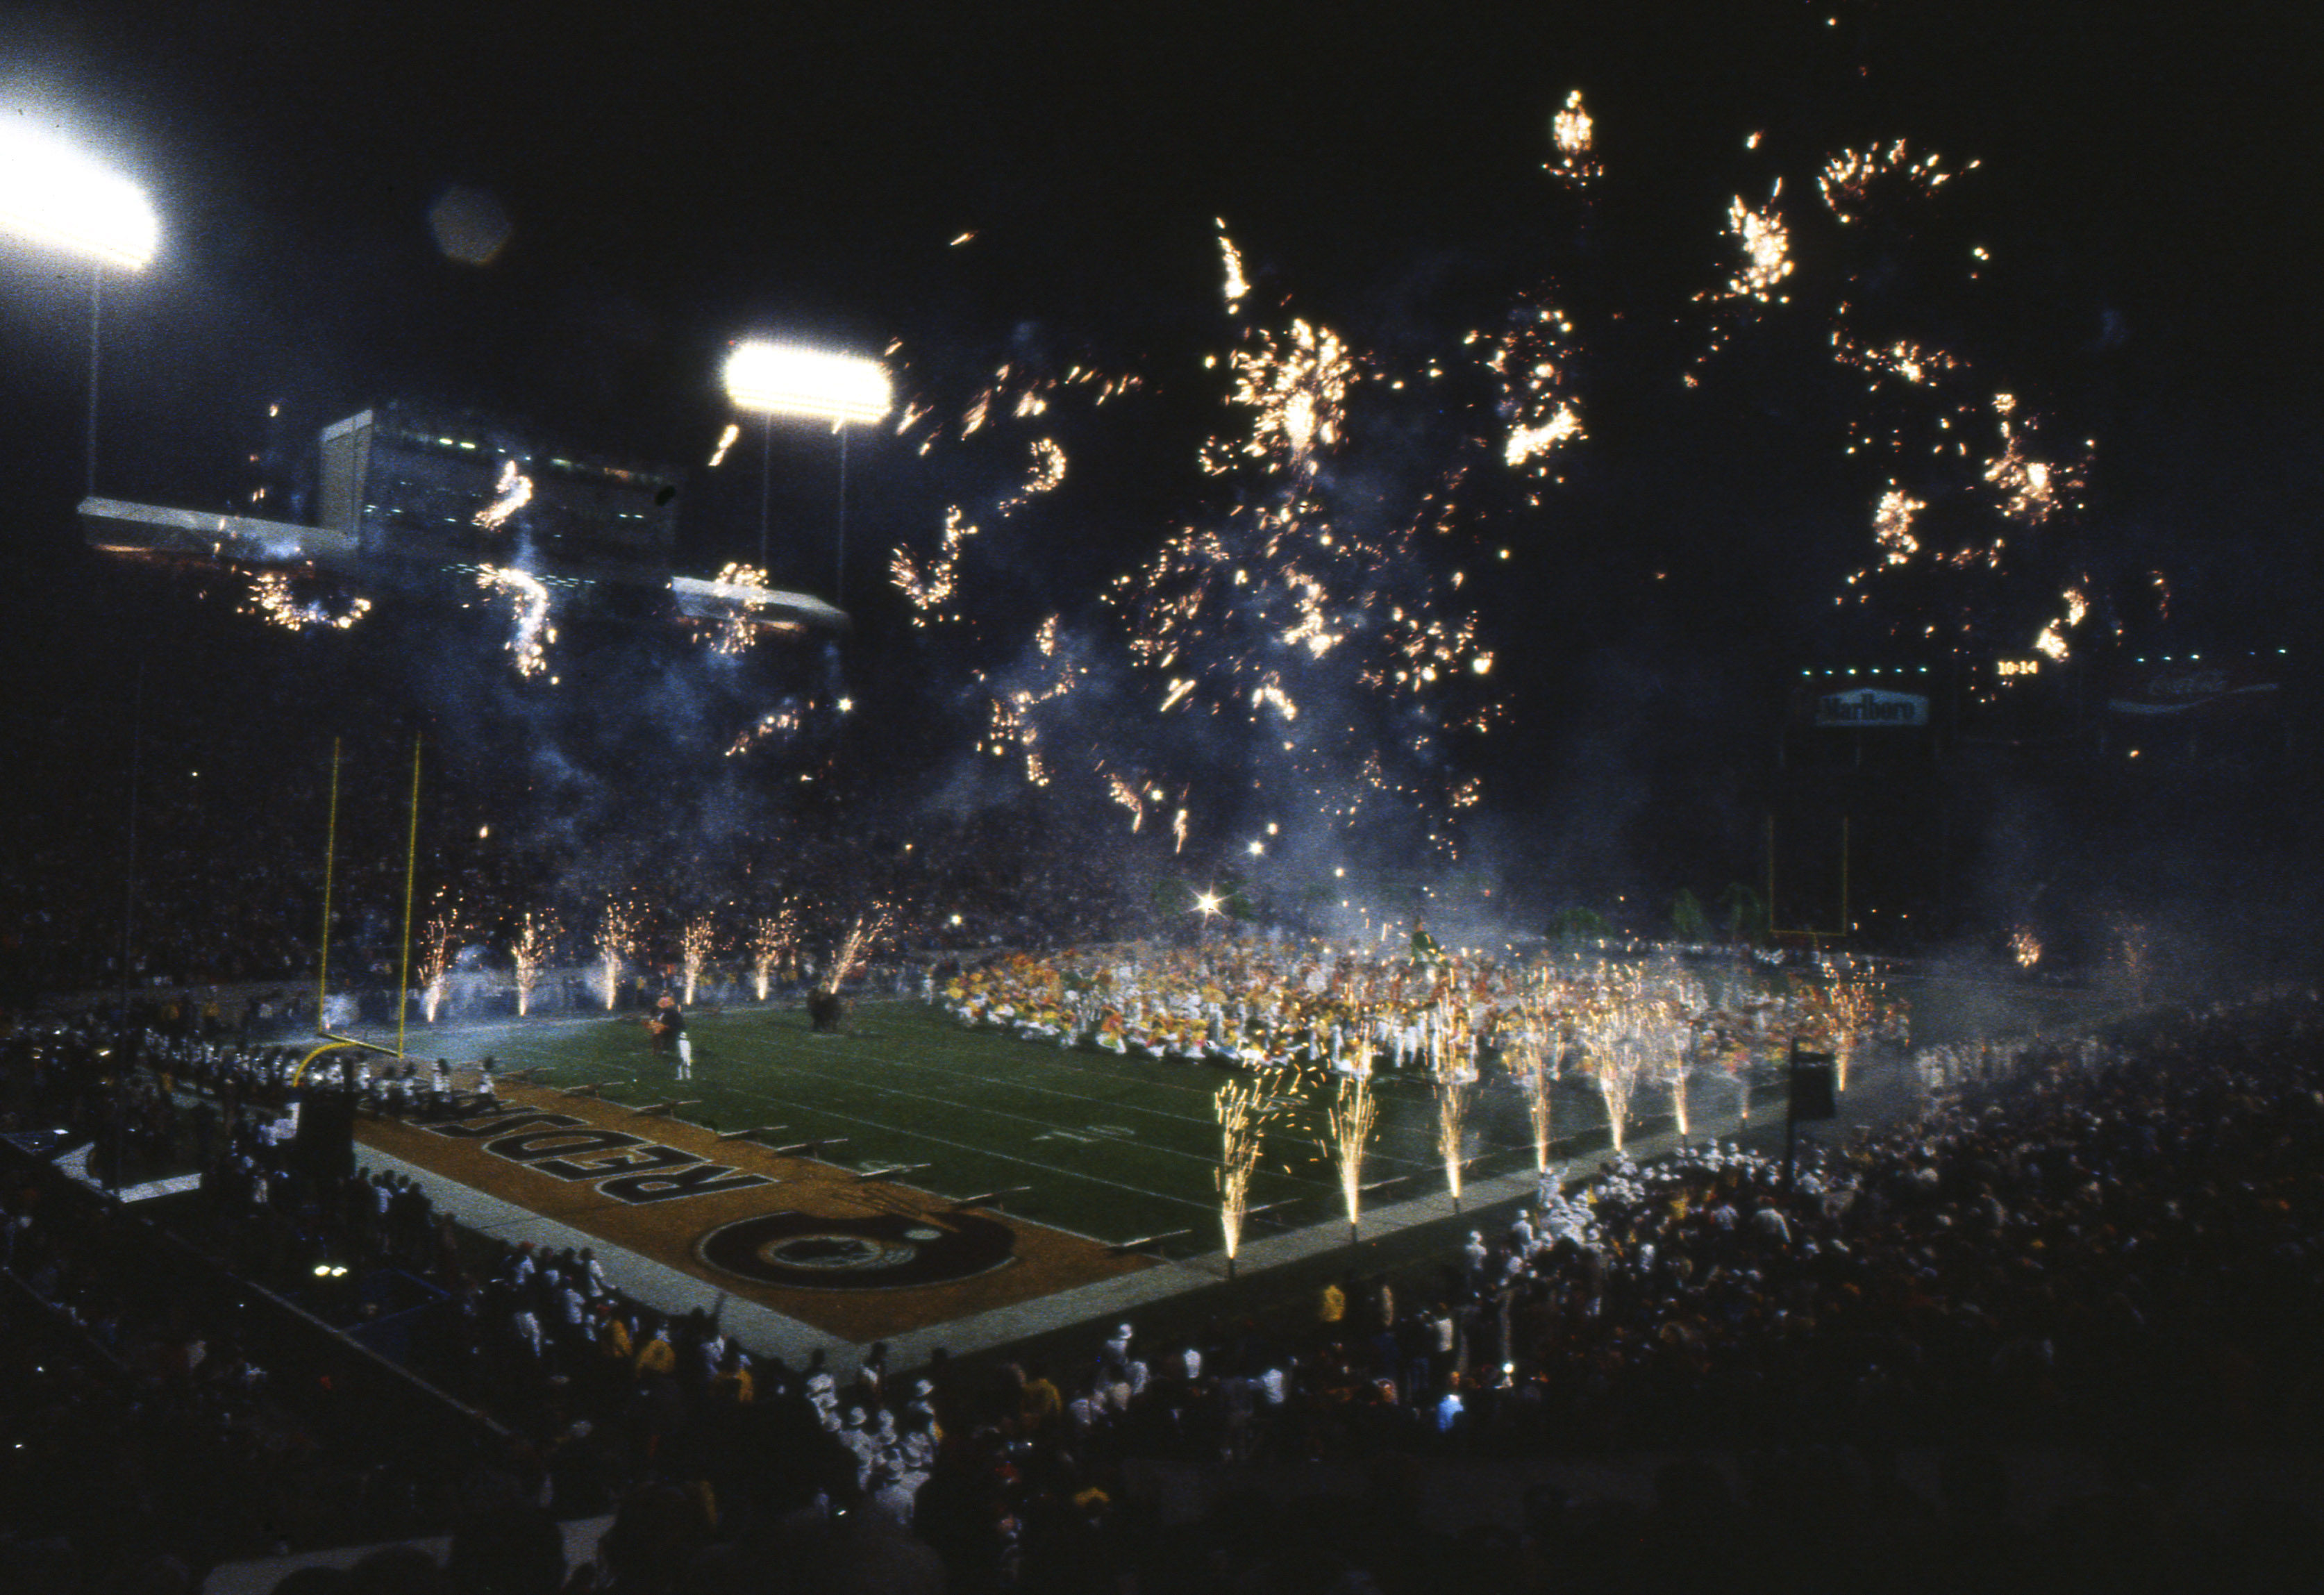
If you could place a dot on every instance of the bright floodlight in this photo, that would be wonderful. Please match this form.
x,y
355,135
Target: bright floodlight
x,y
53,192
784,379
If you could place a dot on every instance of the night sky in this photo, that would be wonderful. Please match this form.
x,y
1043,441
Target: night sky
x,y
2146,190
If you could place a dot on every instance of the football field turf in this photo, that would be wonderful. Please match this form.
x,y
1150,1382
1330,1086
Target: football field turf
x,y
1116,1148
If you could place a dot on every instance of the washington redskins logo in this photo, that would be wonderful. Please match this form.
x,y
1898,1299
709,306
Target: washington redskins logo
x,y
872,1251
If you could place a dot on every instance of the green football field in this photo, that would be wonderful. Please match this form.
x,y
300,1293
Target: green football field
x,y
1118,1149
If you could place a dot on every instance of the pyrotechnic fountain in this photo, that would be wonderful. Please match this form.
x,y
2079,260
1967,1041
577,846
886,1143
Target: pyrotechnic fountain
x,y
1349,1119
1616,1062
617,938
695,943
1536,1059
1455,1083
856,946
1852,1003
772,936
1243,1108
534,942
435,954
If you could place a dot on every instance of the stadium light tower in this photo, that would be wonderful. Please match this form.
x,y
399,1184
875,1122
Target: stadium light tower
x,y
53,192
812,384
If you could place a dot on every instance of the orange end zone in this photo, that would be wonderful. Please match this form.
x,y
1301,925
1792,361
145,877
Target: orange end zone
x,y
860,1260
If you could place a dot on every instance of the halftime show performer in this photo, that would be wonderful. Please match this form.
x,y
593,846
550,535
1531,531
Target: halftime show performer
x,y
668,1027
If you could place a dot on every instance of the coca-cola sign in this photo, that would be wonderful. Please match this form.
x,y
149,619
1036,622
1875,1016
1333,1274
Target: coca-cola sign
x,y
2191,687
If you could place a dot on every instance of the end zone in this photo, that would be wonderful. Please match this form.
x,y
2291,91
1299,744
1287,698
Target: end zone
x,y
860,1260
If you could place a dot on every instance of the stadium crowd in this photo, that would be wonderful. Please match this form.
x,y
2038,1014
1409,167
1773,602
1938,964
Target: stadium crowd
x,y
2109,1243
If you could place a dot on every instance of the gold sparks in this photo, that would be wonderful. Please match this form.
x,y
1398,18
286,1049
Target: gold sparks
x,y
736,632
1296,386
1237,284
1530,443
514,491
617,939
528,597
774,723
536,940
1126,794
1244,1108
772,937
2029,489
272,599
930,588
696,944
1849,178
725,441
1349,1121
1891,525
438,944
1903,360
864,936
1766,245
1573,135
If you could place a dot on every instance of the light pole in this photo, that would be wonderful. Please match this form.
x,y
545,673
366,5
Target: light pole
x,y
790,379
53,192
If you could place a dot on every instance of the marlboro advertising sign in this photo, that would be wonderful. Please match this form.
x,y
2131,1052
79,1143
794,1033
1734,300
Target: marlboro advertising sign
x,y
1864,706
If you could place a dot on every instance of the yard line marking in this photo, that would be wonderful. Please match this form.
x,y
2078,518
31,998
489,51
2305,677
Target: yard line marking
x,y
954,1073
980,1151
1048,1125
1407,1133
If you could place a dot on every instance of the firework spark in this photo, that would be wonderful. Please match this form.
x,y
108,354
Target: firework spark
x,y
2029,490
1535,1059
1237,284
617,939
857,944
529,596
1296,385
272,599
1349,1121
772,937
1893,525
1766,243
436,951
535,940
1851,998
696,944
1574,134
512,493
1244,1108
1849,178
745,586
